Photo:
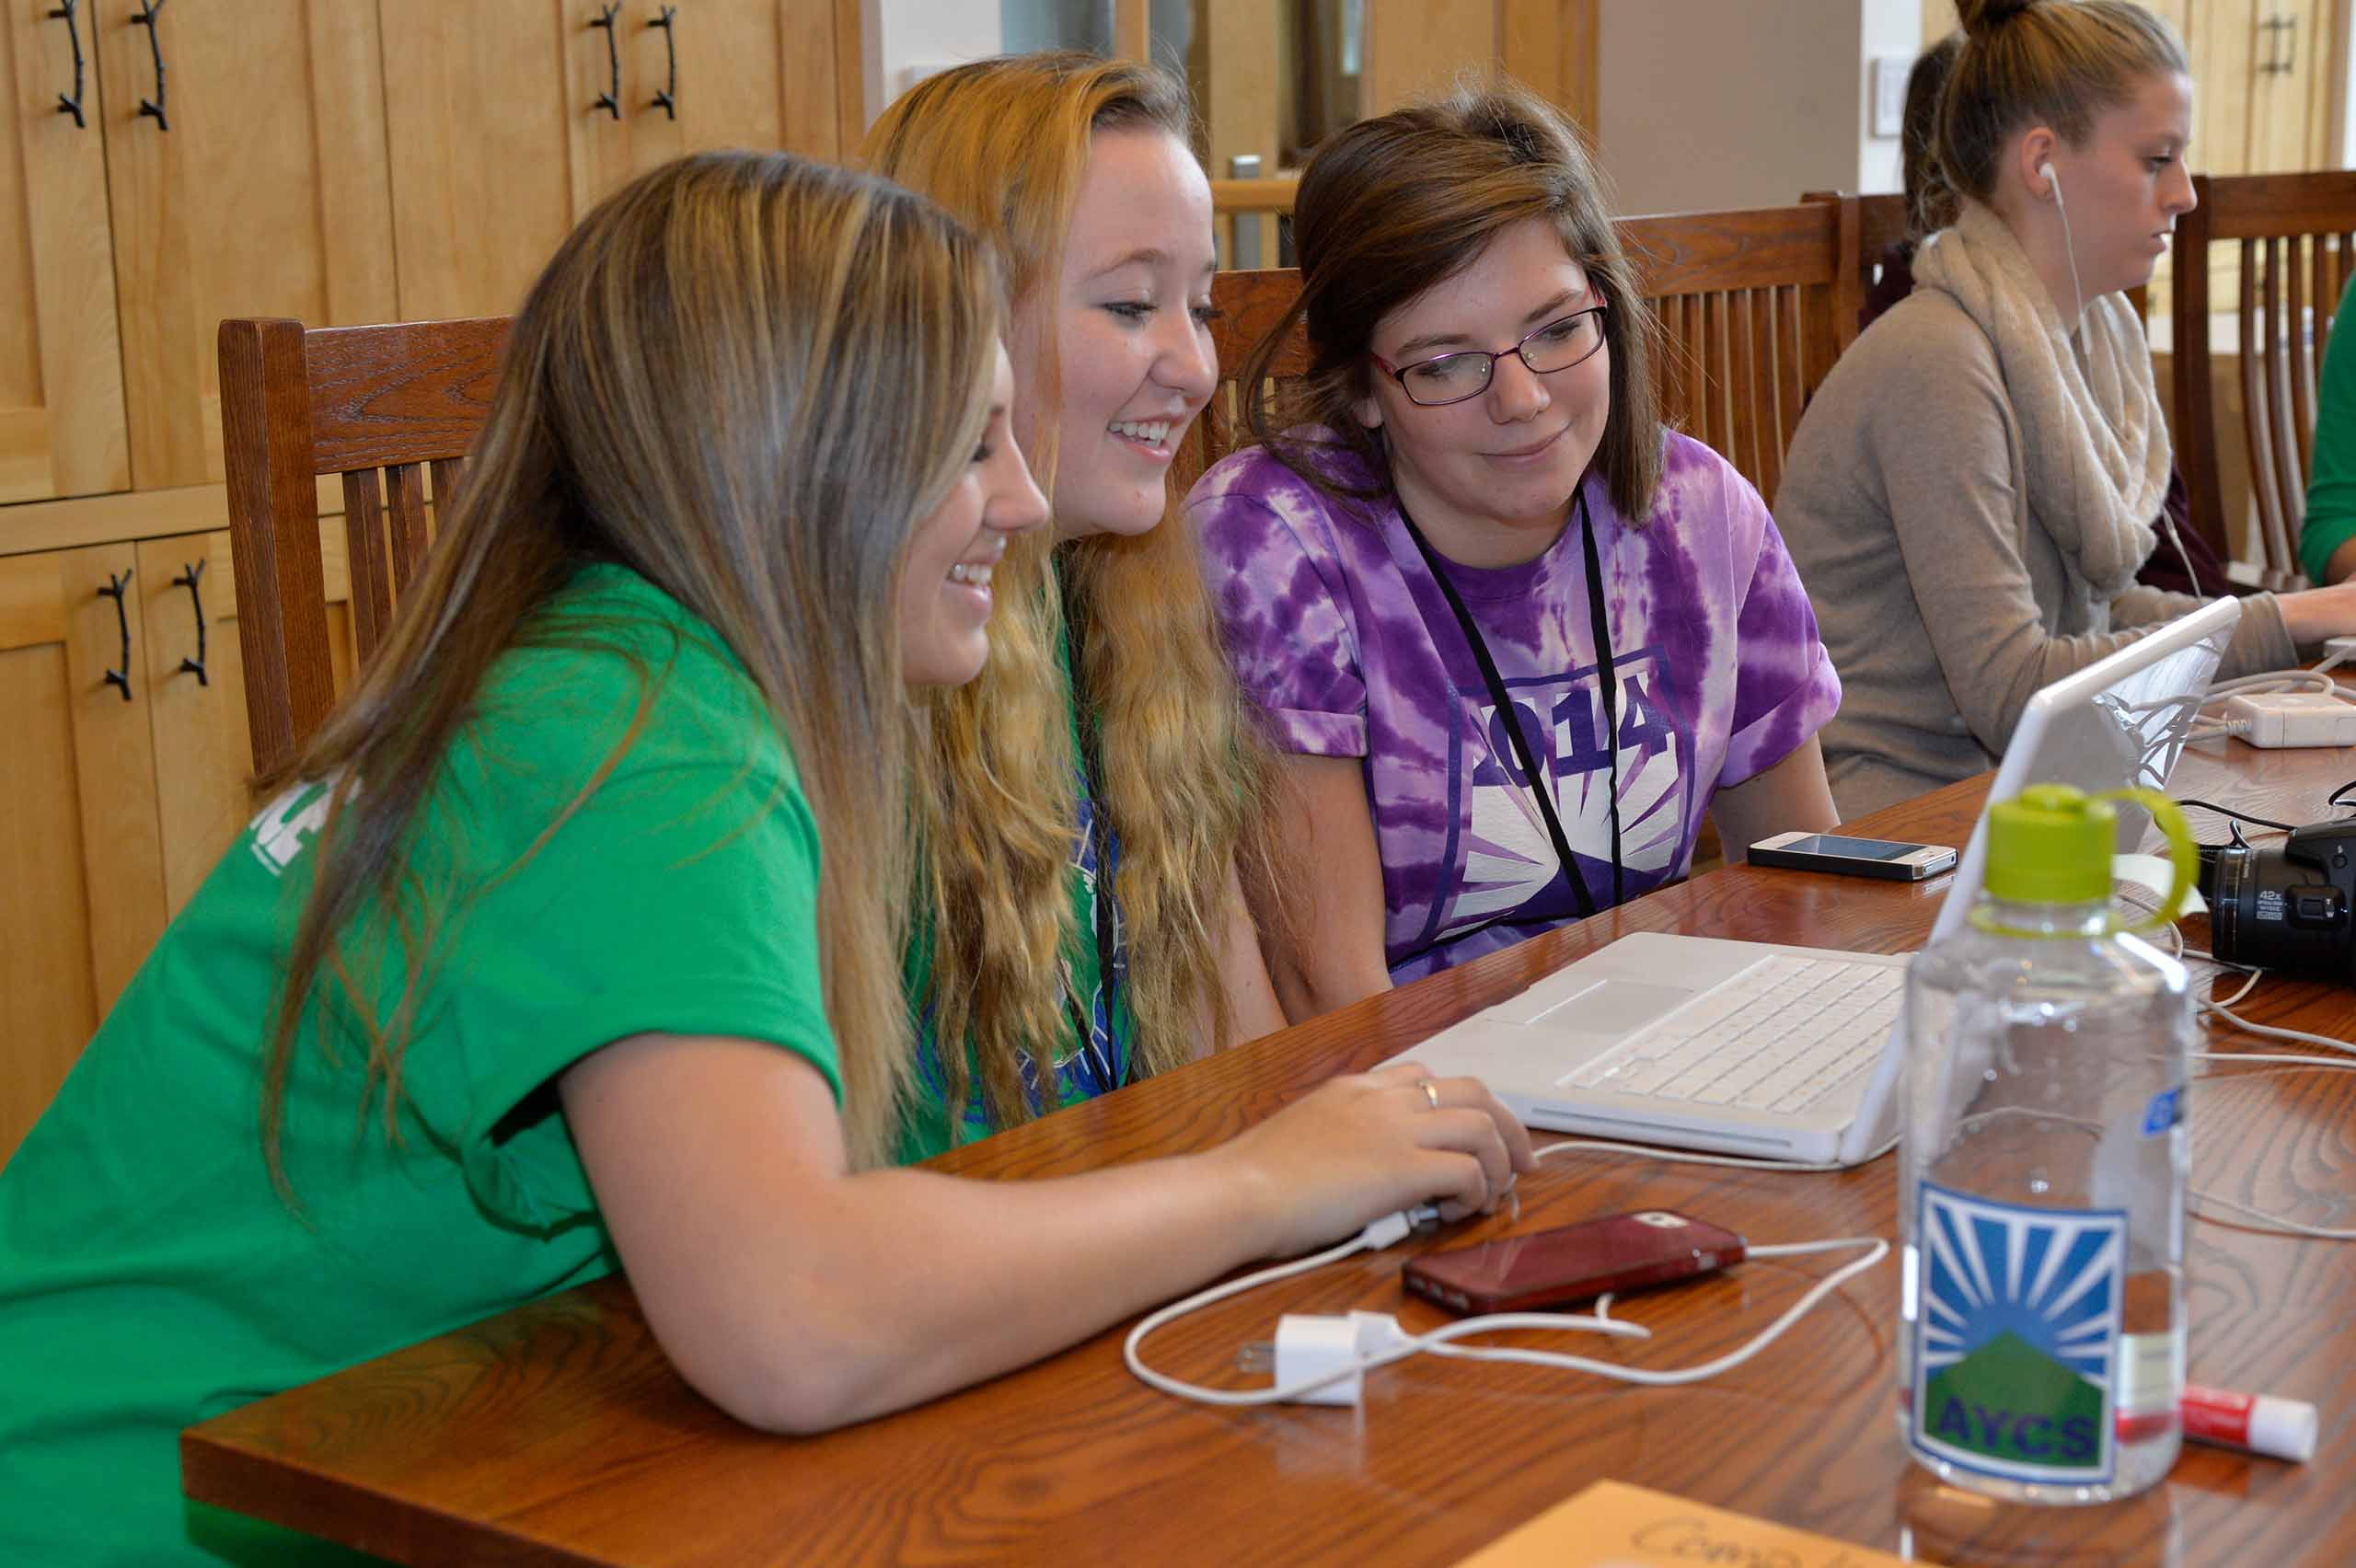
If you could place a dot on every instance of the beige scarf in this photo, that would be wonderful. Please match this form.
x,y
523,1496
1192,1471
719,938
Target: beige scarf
x,y
2096,446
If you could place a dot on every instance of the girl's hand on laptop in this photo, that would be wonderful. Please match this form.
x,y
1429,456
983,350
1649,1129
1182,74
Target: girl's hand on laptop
x,y
1371,1144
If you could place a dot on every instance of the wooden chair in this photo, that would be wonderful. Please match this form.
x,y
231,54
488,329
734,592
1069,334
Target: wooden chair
x,y
1881,222
382,406
1754,307
2296,240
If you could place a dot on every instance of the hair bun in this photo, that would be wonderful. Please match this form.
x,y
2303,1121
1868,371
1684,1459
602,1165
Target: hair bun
x,y
1981,17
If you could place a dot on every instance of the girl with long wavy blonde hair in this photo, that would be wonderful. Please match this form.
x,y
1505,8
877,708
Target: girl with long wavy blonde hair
x,y
578,920
1107,713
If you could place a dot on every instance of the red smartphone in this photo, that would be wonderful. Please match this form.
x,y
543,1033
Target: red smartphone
x,y
1573,1263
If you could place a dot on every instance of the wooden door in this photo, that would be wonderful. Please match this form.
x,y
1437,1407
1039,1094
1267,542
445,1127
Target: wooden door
x,y
1415,48
259,190
739,74
482,184
532,112
61,361
695,75
79,848
2290,97
1419,48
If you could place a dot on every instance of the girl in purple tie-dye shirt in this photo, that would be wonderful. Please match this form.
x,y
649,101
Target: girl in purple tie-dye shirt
x,y
1493,400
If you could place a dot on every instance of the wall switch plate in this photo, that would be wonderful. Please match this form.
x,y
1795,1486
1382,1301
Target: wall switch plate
x,y
1889,73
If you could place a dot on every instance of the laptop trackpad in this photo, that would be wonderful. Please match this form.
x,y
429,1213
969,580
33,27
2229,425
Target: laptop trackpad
x,y
1613,1006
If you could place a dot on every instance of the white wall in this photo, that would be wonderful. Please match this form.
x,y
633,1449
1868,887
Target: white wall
x,y
1885,29
1731,103
902,35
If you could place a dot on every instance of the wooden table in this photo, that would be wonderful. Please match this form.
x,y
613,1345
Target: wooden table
x,y
558,1432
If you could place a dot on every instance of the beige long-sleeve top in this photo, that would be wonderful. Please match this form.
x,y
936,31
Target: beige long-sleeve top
x,y
1943,603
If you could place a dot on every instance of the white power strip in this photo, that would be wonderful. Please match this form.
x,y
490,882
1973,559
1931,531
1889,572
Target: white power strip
x,y
2291,719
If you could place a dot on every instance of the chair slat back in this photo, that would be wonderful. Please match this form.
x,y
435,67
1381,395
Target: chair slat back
x,y
1754,307
2294,239
386,407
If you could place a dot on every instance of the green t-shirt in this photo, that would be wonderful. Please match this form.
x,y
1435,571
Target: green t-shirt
x,y
1082,1067
149,1276
2331,489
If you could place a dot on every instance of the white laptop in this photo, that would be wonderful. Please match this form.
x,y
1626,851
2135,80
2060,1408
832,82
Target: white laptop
x,y
1794,1053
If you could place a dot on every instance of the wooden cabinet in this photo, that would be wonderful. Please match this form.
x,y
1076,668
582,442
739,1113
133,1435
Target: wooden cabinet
x,y
335,161
60,363
123,795
80,850
259,190
535,112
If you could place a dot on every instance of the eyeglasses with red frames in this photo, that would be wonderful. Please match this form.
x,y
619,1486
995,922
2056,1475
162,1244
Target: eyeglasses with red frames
x,y
1451,378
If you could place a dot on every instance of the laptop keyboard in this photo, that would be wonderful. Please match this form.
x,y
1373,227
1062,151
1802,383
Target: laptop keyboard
x,y
1777,1037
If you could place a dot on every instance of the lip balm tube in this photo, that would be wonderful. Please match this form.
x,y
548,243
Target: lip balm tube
x,y
2256,1423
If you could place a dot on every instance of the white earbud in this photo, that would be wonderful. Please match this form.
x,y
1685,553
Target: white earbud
x,y
2069,248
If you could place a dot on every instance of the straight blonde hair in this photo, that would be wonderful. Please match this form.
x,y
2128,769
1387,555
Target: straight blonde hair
x,y
1185,776
746,378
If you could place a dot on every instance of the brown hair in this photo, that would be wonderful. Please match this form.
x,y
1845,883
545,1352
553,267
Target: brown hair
x,y
2056,62
1930,200
1390,207
1185,779
746,378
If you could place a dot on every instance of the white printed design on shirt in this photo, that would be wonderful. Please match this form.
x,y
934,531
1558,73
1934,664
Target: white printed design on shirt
x,y
1509,857
288,824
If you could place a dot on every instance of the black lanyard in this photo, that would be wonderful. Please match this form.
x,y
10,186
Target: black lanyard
x,y
1542,784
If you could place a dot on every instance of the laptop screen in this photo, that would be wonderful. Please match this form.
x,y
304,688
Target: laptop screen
x,y
2120,723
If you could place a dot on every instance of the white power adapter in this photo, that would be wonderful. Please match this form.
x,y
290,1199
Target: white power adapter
x,y
1311,1345
2292,719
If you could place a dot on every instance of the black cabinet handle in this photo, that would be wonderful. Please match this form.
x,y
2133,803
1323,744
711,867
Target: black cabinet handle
x,y
667,100
148,11
2290,44
71,103
610,100
190,575
119,678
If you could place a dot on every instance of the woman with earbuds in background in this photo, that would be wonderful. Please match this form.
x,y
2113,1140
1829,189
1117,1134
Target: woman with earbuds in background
x,y
1973,487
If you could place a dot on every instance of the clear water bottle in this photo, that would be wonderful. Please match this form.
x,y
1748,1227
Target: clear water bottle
x,y
2042,1173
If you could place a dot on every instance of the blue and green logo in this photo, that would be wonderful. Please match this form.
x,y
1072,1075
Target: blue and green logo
x,y
2017,1337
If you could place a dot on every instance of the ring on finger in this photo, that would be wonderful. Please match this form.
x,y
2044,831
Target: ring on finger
x,y
1429,1092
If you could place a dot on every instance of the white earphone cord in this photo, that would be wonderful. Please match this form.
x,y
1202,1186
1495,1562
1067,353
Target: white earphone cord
x,y
2069,245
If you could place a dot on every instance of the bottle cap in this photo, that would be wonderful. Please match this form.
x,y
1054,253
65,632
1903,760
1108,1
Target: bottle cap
x,y
2050,845
2284,1429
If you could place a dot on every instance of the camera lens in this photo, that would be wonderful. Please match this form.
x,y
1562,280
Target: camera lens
x,y
2285,909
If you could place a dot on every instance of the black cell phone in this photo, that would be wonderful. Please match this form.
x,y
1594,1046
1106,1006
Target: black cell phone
x,y
1882,857
1573,1263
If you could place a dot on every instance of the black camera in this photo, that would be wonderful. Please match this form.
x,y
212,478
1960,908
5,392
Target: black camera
x,y
2290,909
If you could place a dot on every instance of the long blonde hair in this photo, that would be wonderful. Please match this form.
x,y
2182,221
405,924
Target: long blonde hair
x,y
746,378
1185,777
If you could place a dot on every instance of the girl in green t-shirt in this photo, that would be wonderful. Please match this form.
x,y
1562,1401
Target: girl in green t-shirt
x,y
573,940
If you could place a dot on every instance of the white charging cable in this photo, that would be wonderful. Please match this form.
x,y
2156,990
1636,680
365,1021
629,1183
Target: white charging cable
x,y
2315,683
1340,1351
2256,1219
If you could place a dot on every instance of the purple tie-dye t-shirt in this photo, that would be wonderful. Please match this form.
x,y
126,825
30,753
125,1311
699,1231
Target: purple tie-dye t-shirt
x,y
1337,627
